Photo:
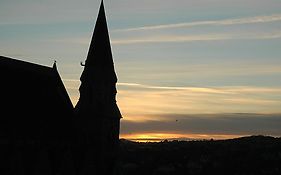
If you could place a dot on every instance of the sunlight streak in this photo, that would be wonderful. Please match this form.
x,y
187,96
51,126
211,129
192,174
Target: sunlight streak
x,y
157,137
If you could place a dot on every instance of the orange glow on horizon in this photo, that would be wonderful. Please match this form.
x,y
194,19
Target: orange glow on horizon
x,y
156,137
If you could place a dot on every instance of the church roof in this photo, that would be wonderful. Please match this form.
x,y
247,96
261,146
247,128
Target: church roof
x,y
33,97
25,66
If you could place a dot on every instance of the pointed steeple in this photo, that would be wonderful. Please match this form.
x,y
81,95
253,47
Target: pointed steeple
x,y
99,61
98,79
98,116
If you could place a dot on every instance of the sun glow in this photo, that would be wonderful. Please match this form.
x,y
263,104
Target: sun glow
x,y
157,137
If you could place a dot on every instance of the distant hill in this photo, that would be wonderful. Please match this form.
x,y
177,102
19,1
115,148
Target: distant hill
x,y
255,155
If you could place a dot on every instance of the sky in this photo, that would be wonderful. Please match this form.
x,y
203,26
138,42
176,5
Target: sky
x,y
186,68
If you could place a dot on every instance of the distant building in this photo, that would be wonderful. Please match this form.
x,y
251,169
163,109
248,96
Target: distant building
x,y
40,130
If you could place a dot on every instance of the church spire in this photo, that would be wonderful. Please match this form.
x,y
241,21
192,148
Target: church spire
x,y
99,61
98,115
98,79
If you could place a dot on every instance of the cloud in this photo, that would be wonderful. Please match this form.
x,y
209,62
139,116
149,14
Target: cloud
x,y
194,38
192,89
236,21
214,90
145,39
133,98
168,38
171,39
207,124
169,111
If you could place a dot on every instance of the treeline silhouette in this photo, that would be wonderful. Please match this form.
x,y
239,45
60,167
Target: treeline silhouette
x,y
253,155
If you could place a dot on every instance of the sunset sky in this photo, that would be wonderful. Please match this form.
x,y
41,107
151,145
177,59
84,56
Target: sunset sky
x,y
186,68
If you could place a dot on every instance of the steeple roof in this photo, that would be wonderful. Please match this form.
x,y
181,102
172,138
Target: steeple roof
x,y
99,63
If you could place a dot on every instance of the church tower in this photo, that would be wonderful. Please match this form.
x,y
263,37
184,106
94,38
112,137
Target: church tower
x,y
98,116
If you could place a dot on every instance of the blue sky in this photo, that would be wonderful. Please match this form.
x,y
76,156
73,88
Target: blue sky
x,y
173,58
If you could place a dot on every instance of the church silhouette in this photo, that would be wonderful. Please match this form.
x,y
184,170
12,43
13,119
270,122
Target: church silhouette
x,y
40,130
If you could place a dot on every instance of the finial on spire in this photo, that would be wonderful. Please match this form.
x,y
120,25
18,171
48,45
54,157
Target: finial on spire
x,y
55,64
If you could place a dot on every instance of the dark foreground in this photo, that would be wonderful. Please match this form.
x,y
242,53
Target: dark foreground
x,y
253,155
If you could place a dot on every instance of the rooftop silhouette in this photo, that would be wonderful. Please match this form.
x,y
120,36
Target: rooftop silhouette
x,y
40,130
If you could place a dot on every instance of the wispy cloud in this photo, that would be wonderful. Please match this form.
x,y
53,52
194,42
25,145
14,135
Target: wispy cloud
x,y
171,39
194,38
235,21
146,39
71,80
215,90
134,97
167,38
193,89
